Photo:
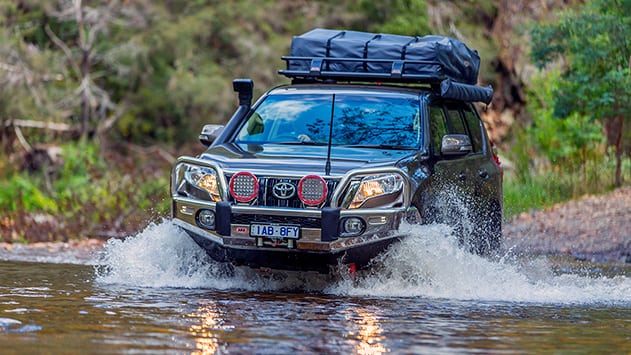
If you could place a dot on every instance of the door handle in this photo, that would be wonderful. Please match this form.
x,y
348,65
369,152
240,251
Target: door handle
x,y
483,174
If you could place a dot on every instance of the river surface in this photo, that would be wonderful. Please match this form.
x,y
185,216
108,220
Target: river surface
x,y
157,292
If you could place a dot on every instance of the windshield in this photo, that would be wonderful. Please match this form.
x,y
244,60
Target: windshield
x,y
358,120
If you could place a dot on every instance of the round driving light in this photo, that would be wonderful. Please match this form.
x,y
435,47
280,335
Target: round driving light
x,y
244,186
206,219
312,190
353,226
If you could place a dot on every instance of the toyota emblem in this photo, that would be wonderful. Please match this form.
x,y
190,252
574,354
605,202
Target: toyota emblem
x,y
283,190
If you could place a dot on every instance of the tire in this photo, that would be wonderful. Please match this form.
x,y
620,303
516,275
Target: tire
x,y
478,230
487,233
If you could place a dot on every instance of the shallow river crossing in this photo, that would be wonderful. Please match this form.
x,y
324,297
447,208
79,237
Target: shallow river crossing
x,y
157,292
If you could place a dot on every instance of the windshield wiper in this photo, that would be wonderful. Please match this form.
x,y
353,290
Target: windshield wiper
x,y
380,146
300,143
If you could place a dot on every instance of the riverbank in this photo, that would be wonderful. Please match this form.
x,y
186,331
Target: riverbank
x,y
595,228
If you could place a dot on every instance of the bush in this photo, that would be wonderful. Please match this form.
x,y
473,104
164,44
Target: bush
x,y
91,194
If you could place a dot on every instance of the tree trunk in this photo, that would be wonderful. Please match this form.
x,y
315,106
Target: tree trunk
x,y
84,67
585,182
85,98
620,125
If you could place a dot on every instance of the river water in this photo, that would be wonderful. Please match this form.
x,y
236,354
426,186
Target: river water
x,y
157,292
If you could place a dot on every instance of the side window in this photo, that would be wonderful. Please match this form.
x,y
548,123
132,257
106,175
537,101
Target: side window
x,y
437,127
454,121
475,127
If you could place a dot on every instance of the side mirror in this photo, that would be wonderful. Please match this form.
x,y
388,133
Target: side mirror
x,y
456,144
210,132
245,88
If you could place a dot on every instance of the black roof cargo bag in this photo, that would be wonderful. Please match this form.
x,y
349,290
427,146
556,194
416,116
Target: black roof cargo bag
x,y
324,43
453,59
388,47
436,57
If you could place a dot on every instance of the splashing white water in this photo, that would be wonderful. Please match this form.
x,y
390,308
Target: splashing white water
x,y
163,255
429,263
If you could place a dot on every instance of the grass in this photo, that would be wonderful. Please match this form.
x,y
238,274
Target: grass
x,y
544,189
536,193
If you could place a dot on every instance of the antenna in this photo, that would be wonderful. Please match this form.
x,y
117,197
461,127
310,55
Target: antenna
x,y
327,167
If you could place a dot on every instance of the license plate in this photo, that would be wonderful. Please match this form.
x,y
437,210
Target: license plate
x,y
274,231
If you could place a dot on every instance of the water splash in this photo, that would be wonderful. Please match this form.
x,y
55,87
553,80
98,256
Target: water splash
x,y
163,255
429,263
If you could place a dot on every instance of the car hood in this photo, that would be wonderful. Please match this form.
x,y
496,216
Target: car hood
x,y
306,159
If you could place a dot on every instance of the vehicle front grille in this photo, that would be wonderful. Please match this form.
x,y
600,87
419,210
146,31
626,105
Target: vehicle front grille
x,y
266,196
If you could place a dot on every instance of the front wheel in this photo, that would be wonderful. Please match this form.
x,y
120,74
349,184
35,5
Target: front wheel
x,y
487,233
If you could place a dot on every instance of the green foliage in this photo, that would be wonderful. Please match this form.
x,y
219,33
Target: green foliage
x,y
89,193
196,49
593,46
556,159
22,192
594,39
405,17
568,142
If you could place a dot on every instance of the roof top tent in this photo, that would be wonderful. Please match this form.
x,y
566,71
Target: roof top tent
x,y
449,64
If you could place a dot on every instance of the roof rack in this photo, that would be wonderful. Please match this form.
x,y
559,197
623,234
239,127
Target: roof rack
x,y
319,69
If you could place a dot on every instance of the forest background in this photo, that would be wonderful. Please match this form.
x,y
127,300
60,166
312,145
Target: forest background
x,y
97,98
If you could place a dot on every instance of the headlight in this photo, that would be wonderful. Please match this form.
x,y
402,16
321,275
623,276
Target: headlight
x,y
375,186
204,179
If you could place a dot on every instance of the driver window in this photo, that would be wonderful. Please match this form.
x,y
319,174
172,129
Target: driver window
x,y
437,128
454,121
475,127
288,118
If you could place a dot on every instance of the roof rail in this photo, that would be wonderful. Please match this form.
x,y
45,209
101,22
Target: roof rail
x,y
323,68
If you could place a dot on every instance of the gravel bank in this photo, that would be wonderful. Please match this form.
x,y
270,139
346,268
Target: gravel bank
x,y
594,227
